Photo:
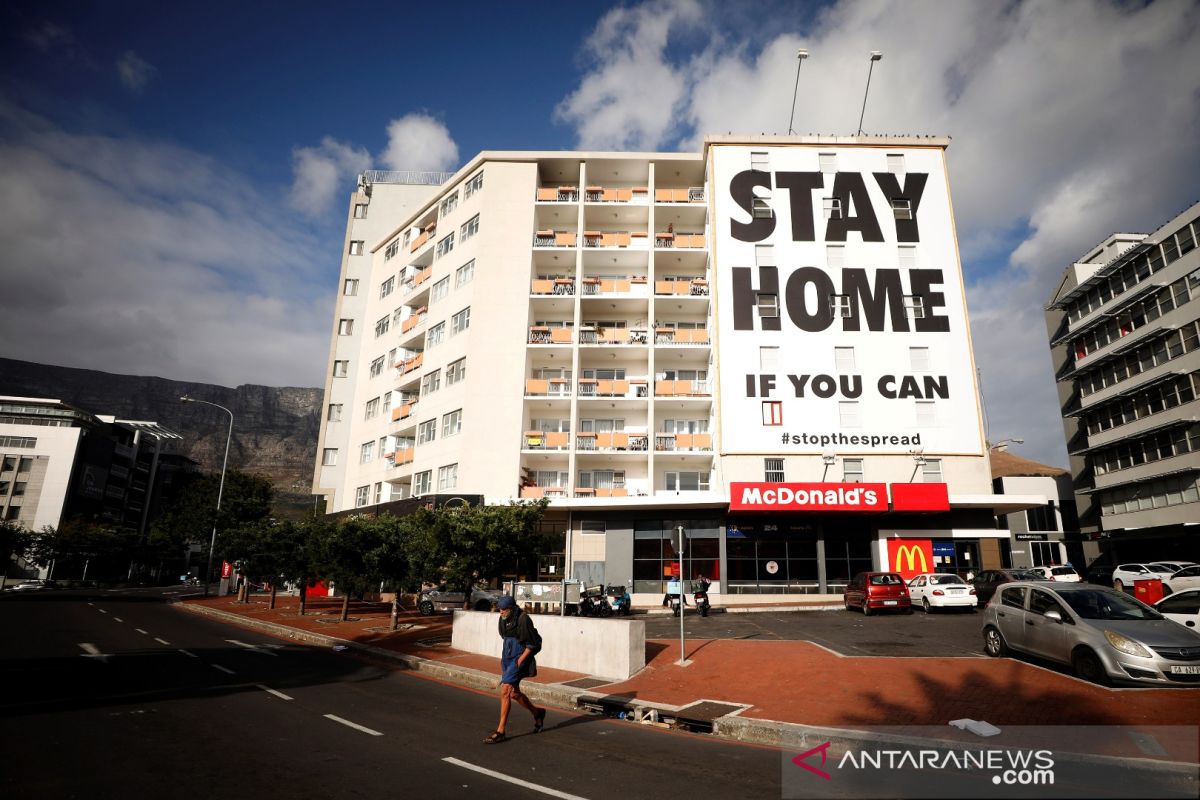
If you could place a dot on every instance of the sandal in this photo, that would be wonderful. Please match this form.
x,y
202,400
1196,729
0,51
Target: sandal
x,y
495,738
539,719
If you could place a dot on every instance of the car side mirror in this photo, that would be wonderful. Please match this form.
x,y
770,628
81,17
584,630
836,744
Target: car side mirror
x,y
1054,615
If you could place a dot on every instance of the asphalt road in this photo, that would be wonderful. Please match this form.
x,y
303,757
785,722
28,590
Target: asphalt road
x,y
117,694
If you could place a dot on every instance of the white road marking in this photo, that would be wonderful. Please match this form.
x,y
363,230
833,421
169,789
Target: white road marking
x,y
226,670
101,610
354,725
91,604
253,647
269,690
188,653
142,632
91,651
117,619
162,641
501,776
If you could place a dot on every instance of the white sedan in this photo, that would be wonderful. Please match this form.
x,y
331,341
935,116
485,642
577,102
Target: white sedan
x,y
1182,607
1186,578
941,590
1126,574
1060,574
1172,566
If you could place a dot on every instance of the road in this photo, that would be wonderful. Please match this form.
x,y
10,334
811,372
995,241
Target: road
x,y
117,694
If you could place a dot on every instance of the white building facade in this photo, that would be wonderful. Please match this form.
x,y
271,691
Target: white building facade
x,y
765,342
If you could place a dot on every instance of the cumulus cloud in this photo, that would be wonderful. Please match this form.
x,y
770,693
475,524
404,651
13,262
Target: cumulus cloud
x,y
151,259
1070,121
47,36
421,143
319,172
134,71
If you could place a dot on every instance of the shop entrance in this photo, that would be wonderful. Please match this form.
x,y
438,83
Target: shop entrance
x,y
956,556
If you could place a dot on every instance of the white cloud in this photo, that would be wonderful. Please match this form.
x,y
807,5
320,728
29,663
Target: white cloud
x,y
319,172
421,143
145,258
1069,120
48,36
134,71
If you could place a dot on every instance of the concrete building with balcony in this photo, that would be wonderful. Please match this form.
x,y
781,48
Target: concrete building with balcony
x,y
765,342
1124,328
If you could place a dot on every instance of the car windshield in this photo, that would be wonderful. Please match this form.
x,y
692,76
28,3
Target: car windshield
x,y
885,580
1025,575
944,579
1062,571
1108,604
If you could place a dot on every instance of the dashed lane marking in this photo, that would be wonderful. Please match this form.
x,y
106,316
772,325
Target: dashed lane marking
x,y
91,651
254,647
269,690
510,779
117,619
188,653
162,641
142,632
101,610
226,670
354,725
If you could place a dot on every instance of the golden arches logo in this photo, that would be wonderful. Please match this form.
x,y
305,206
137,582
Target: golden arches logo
x,y
910,553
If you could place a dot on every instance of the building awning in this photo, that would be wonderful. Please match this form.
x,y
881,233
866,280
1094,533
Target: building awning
x,y
996,503
150,429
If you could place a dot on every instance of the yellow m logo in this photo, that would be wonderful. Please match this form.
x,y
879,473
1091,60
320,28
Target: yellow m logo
x,y
910,553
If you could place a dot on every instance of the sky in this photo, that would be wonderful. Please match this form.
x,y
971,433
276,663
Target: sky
x,y
174,177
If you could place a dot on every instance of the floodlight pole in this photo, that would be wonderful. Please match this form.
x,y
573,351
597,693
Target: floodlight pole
x,y
212,545
875,56
801,54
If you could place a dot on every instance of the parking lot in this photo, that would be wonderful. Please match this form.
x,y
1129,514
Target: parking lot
x,y
952,633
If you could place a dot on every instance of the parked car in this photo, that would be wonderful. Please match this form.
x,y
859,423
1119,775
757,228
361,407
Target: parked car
x,y
1104,634
1125,574
1173,566
1182,607
1101,573
443,599
1058,574
1185,578
941,590
875,591
34,585
986,582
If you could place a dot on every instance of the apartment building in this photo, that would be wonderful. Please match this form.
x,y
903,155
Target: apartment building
x,y
1124,329
765,342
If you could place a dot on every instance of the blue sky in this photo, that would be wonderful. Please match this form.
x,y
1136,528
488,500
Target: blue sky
x,y
175,175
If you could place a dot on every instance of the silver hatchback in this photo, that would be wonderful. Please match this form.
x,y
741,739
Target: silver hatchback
x,y
1105,635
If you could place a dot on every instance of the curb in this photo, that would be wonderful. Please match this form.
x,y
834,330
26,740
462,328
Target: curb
x,y
772,733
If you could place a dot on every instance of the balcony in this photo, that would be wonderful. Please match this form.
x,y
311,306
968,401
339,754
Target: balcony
x,y
682,442
418,279
611,194
546,286
614,491
538,492
404,411
540,334
691,194
615,239
612,441
413,363
626,389
552,238
546,440
592,335
693,287
681,336
415,319
629,285
401,457
682,388
679,240
548,387
560,194
425,237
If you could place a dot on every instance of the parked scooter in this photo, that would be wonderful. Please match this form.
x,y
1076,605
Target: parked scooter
x,y
674,597
620,601
594,603
700,597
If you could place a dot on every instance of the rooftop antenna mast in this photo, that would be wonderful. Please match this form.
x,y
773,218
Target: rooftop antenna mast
x,y
801,54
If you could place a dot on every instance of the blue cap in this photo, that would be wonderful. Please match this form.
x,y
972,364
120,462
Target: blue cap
x,y
505,602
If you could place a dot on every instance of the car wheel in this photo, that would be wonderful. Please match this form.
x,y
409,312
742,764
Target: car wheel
x,y
1087,666
1120,587
925,604
846,603
993,642
425,607
866,609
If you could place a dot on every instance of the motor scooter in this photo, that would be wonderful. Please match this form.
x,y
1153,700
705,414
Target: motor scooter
x,y
594,603
620,601
700,597
674,597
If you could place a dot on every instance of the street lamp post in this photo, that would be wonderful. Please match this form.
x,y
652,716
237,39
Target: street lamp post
x,y
220,488
801,54
1004,443
875,56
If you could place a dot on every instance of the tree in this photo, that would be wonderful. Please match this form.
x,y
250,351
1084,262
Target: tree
x,y
391,559
342,554
79,539
14,543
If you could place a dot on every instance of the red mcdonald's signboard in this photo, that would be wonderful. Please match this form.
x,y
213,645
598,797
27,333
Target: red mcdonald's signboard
x,y
910,557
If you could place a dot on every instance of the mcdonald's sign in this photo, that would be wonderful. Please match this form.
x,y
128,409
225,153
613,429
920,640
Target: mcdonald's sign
x,y
910,557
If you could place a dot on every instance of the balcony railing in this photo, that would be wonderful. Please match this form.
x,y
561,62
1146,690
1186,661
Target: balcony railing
x,y
675,442
627,441
678,388
540,334
603,336
591,387
548,387
538,492
693,194
560,194
609,194
551,238
426,235
404,456
403,411
564,286
413,321
695,287
413,363
418,279
620,239
614,491
685,336
679,240
546,440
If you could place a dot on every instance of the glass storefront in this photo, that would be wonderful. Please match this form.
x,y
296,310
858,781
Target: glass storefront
x,y
770,558
655,560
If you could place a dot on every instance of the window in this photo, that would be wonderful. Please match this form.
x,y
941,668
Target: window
x,y
9,464
1013,596
440,290
908,256
828,162
918,358
687,481
839,306
350,287
431,382
335,413
472,186
772,412
931,471
758,160
773,470
19,488
768,306
1040,602
449,204
445,245
366,452
902,207
387,287
852,470
387,402
456,371
469,228
768,358
329,457
843,358
895,163
435,335
25,465
914,306
835,255
764,255
345,327
1042,518
447,477
926,413
760,209
452,423
464,274
356,247
427,431
376,367
360,210
378,493
371,409
848,413
422,482
390,252
383,325
832,207
341,369
362,496
593,527
460,321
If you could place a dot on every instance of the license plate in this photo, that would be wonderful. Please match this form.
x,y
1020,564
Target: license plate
x,y
1185,670
955,591
890,602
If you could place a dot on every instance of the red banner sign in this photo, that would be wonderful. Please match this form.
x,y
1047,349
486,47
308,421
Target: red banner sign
x,y
808,497
920,497
910,557
226,569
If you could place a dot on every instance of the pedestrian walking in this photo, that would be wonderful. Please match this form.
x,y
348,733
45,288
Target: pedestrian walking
x,y
521,644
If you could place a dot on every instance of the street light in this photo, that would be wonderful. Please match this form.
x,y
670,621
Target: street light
x,y
1003,444
828,459
801,54
220,488
875,56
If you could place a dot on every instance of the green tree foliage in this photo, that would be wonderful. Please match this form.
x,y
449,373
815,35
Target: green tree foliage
x,y
348,555
105,547
15,541
245,501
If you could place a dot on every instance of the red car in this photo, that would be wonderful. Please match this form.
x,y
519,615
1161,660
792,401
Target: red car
x,y
876,591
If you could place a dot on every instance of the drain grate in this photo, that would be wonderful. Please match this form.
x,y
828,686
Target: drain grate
x,y
587,683
707,710
437,641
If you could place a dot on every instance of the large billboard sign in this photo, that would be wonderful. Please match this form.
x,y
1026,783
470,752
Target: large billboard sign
x,y
841,316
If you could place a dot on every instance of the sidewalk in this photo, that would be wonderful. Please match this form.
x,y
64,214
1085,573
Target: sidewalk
x,y
793,682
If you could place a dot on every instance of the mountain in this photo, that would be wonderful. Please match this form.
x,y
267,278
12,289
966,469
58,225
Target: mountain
x,y
274,428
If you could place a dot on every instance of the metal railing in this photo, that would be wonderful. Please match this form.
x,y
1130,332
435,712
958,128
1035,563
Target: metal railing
x,y
410,177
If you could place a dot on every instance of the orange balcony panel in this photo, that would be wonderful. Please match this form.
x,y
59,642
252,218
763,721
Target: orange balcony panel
x,y
422,276
702,441
405,456
560,336
542,287
411,323
665,388
614,492
662,195
679,195
615,286
557,439
537,386
564,239
544,193
420,240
